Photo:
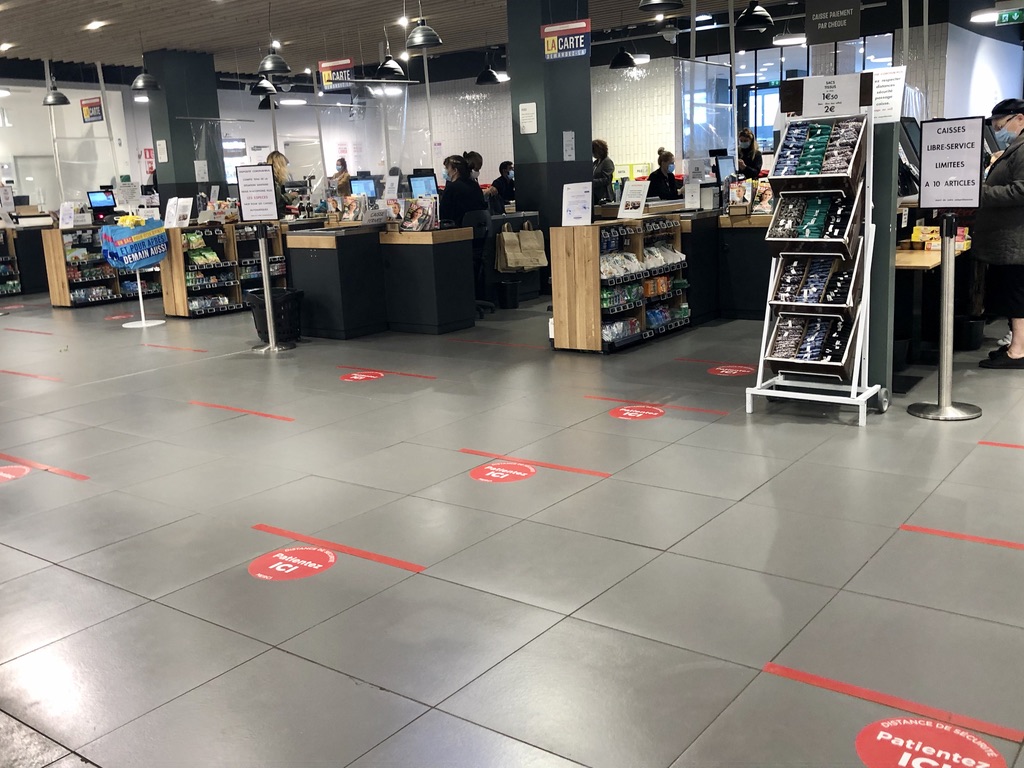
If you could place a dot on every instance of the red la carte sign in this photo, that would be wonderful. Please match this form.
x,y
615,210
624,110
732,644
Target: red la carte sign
x,y
362,376
12,473
921,743
291,564
637,412
732,370
503,472
335,75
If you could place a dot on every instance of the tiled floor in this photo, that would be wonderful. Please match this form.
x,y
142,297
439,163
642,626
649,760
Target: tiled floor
x,y
703,590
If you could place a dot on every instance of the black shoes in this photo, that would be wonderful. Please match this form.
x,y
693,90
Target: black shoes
x,y
1000,350
1003,361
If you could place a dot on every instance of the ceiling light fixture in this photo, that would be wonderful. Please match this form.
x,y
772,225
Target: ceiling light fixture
x,y
404,55
92,26
422,35
262,88
292,102
985,16
307,71
622,60
54,98
788,37
144,83
754,19
642,58
141,98
503,77
4,93
275,44
660,6
389,69
5,47
704,17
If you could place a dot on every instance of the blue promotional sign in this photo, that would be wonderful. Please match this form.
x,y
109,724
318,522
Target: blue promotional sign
x,y
134,247
566,39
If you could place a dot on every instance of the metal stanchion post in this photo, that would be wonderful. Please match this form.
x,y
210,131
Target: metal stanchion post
x,y
946,409
268,299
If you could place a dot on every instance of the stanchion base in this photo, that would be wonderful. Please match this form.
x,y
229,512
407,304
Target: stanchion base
x,y
955,412
282,346
143,323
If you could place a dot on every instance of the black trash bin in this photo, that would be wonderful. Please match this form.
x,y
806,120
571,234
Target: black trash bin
x,y
287,303
508,294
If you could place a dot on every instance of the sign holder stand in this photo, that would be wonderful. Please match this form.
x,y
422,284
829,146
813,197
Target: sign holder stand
x,y
945,409
272,344
143,323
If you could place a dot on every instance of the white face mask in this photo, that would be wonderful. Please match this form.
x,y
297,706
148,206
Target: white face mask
x,y
475,175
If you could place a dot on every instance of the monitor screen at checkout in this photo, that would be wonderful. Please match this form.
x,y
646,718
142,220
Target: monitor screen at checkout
x,y
102,199
726,168
423,186
364,187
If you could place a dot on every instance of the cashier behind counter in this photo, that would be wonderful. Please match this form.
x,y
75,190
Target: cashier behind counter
x,y
461,193
663,180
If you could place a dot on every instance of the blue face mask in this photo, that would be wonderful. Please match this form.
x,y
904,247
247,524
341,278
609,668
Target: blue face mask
x,y
444,176
744,145
1004,137
671,167
512,175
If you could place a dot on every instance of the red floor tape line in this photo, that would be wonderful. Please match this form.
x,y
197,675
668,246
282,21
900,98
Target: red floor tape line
x,y
30,375
23,330
381,370
658,405
1001,445
179,349
963,537
241,410
533,463
43,467
498,343
989,729
335,547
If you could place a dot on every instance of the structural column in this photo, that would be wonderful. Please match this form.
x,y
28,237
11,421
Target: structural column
x,y
188,83
560,90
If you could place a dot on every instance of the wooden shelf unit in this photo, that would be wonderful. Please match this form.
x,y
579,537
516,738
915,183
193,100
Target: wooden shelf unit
x,y
577,284
10,274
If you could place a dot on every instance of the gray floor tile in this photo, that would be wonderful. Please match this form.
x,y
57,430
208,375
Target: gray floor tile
x,y
519,499
762,434
275,611
486,432
319,451
590,450
638,514
710,473
601,697
438,740
817,549
101,412
46,605
674,425
324,502
83,526
990,467
897,454
119,469
955,663
159,419
169,558
14,563
727,612
400,421
878,498
32,429
557,409
126,666
986,512
67,450
405,468
424,638
958,576
72,761
348,719
203,488
416,530
39,491
21,747
778,722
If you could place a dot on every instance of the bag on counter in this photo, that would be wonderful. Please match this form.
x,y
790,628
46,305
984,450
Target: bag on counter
x,y
507,245
520,250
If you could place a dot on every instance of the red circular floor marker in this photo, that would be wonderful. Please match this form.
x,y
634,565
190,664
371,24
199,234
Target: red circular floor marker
x,y
732,370
503,472
119,317
12,472
362,376
637,412
292,563
922,743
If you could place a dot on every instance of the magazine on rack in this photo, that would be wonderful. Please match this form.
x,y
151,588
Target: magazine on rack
x,y
420,214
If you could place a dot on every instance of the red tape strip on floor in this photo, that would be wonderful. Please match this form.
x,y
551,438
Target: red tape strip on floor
x,y
43,467
179,349
1001,445
533,463
30,375
658,405
836,686
23,330
334,546
381,370
241,410
963,537
498,343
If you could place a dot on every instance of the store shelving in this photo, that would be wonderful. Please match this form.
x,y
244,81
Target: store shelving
x,y
617,283
10,275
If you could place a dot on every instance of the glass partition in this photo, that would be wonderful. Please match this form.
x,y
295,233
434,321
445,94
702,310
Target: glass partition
x,y
707,118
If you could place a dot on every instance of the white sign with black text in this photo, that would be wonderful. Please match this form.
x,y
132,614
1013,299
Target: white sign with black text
x,y
887,86
257,193
6,197
577,204
528,118
951,163
825,96
634,198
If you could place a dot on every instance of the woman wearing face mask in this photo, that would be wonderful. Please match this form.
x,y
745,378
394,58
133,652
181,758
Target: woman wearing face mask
x,y
341,179
663,180
999,233
461,194
475,161
750,162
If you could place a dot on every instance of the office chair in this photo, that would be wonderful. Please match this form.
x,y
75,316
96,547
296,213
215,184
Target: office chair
x,y
480,223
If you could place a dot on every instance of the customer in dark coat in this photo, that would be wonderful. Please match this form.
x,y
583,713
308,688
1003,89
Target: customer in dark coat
x,y
999,233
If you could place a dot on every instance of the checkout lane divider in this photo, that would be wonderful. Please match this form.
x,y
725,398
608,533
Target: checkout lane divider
x,y
887,700
342,548
658,405
381,370
533,463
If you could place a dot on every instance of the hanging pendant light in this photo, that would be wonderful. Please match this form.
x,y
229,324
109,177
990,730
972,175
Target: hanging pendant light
x,y
389,69
267,103
488,76
622,60
273,64
144,83
423,36
262,88
54,98
789,37
754,19
660,6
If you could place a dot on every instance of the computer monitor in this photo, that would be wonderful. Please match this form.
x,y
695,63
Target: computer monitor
x,y
363,174
102,200
724,168
366,187
423,186
719,152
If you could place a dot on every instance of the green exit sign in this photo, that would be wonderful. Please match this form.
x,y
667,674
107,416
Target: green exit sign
x,y
1010,17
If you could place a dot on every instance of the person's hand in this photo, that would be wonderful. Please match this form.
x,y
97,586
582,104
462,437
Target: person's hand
x,y
742,165
490,192
995,156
